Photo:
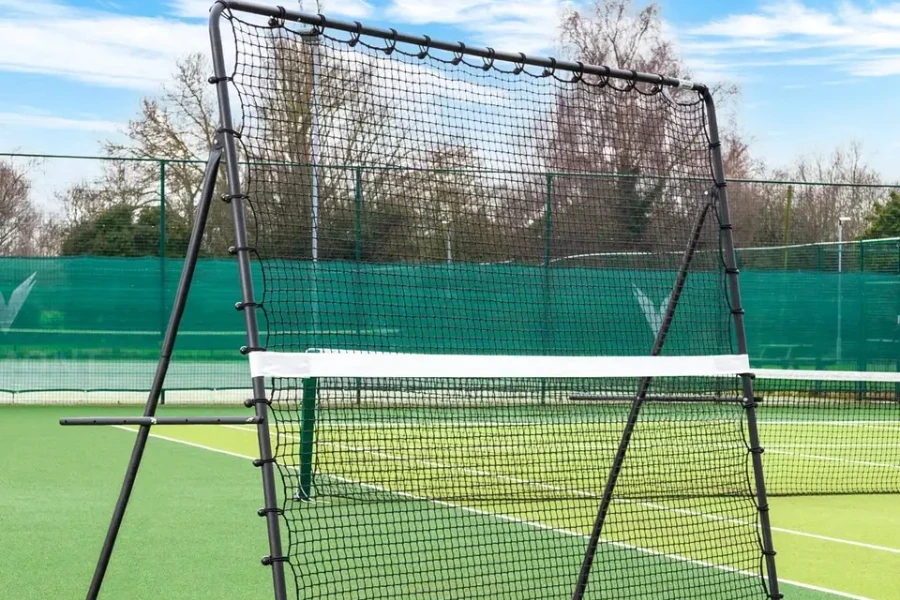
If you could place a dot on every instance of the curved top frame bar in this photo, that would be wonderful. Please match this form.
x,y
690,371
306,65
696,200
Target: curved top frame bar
x,y
489,54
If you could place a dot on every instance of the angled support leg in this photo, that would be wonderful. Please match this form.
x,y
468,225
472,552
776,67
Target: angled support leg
x,y
637,403
184,286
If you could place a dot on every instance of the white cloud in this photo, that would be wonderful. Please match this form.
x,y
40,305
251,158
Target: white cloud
x,y
190,9
45,121
94,46
850,38
510,25
354,9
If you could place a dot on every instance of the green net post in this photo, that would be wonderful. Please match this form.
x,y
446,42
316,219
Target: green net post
x,y
357,255
162,261
307,437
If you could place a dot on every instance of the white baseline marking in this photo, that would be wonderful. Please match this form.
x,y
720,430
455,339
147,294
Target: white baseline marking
x,y
860,463
585,494
531,524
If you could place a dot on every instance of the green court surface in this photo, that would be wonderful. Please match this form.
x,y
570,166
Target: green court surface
x,y
192,529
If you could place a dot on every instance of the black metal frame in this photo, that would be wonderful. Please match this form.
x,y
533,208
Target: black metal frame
x,y
225,144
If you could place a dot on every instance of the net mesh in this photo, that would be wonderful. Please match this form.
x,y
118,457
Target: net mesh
x,y
464,487
467,178
829,435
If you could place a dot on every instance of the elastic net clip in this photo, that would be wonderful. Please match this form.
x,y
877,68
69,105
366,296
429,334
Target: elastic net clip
x,y
737,311
759,450
732,271
726,226
488,60
579,74
319,28
551,70
424,48
252,402
391,44
520,66
214,80
715,145
243,305
776,596
232,250
227,198
771,553
248,349
265,511
279,20
355,35
236,134
604,80
748,404
458,54
263,461
268,561
721,184
632,82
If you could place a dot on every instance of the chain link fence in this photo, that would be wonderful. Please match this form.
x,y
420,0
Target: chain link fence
x,y
91,250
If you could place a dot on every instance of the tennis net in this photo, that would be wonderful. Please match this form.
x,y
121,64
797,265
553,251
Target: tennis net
x,y
830,432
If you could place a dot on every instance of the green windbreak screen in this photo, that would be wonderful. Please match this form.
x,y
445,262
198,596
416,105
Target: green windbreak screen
x,y
96,323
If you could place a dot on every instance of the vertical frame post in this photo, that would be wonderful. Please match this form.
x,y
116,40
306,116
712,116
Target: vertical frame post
x,y
275,559
307,438
737,312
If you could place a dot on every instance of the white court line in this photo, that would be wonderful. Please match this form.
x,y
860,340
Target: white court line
x,y
584,494
531,524
838,446
873,424
860,463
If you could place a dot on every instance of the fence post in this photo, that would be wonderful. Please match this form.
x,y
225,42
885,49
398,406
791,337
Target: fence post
x,y
862,352
786,236
162,261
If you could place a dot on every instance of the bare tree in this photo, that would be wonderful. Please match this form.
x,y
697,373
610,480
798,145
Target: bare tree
x,y
179,125
20,220
642,142
819,205
824,188
319,141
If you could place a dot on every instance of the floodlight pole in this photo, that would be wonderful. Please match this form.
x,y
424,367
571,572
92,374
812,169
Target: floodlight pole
x,y
140,443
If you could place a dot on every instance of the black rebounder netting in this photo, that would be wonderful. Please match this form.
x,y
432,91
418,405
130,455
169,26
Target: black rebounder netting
x,y
408,199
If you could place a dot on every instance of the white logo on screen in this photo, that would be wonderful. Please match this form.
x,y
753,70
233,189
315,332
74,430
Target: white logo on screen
x,y
654,314
10,310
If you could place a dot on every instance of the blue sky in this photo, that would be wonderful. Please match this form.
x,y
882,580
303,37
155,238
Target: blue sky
x,y
813,73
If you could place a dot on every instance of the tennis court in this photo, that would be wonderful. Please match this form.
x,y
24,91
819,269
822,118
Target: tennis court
x,y
393,502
